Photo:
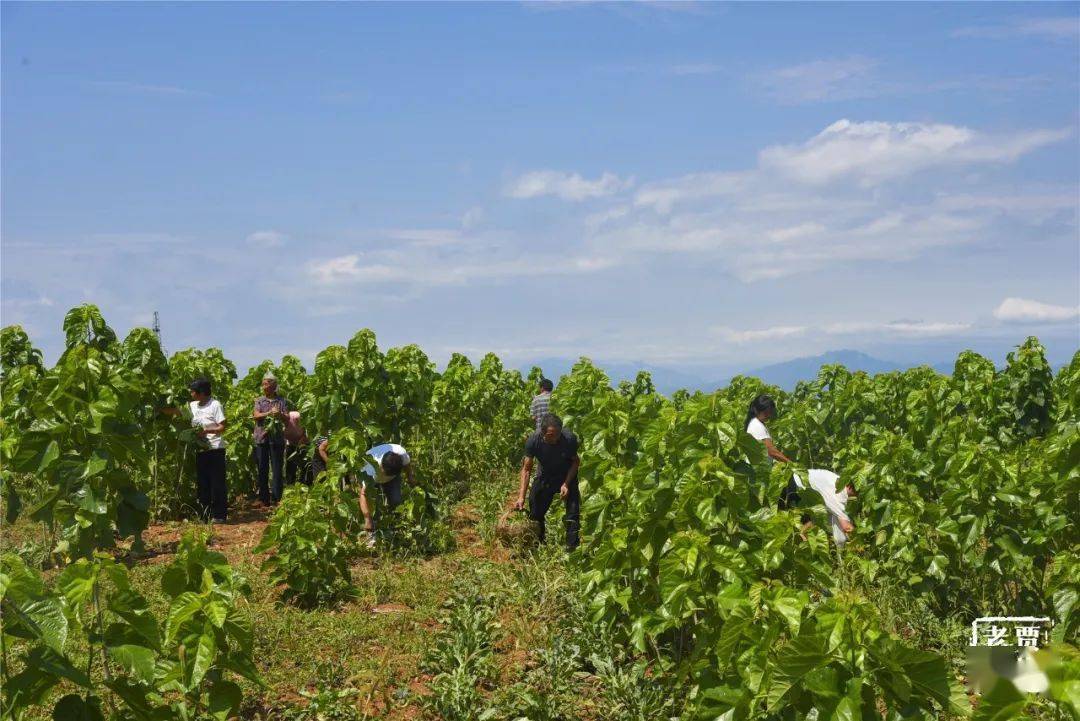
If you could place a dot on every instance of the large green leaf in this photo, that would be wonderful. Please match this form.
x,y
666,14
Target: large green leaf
x,y
802,655
36,452
1061,663
183,607
133,608
77,581
1002,702
50,622
45,659
238,628
132,512
75,708
849,707
928,673
242,664
28,687
134,697
12,502
136,661
18,582
174,581
224,700
202,659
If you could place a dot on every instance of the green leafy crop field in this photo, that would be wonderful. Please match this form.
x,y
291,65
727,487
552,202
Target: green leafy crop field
x,y
692,595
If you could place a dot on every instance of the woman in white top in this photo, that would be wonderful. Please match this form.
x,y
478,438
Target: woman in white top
x,y
208,417
762,409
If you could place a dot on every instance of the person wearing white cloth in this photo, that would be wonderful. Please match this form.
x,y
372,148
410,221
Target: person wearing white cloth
x,y
824,482
391,461
762,409
208,417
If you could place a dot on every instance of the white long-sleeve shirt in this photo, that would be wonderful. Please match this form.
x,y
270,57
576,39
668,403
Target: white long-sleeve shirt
x,y
824,482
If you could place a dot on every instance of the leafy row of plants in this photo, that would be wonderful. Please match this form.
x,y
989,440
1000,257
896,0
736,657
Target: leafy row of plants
x,y
969,490
89,633
688,557
88,454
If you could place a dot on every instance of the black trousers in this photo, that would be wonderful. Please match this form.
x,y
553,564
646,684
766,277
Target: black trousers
x,y
297,465
790,497
213,490
542,494
270,457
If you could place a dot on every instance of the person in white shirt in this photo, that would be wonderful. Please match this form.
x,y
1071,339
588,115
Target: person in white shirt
x,y
824,482
391,462
208,417
763,408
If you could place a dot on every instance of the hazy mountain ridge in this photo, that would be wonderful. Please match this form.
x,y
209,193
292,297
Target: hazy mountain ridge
x,y
785,374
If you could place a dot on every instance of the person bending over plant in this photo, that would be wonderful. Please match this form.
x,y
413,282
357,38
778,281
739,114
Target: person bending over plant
x,y
557,451
320,455
824,482
391,461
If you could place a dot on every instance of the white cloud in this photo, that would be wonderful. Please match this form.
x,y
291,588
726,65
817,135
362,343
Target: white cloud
x,y
1054,28
856,77
795,232
868,153
28,303
842,196
417,268
772,221
1019,310
763,334
472,217
755,244
427,236
97,243
347,268
874,152
599,219
1037,203
896,327
833,79
567,186
267,239
662,195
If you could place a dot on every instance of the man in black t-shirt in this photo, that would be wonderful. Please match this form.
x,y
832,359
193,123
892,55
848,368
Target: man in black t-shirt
x,y
556,450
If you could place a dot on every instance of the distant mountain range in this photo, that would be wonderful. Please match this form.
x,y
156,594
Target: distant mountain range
x,y
785,374
788,373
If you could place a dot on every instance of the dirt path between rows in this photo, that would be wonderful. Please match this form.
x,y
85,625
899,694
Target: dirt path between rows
x,y
238,538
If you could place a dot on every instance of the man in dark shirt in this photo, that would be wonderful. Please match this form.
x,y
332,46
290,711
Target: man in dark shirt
x,y
557,451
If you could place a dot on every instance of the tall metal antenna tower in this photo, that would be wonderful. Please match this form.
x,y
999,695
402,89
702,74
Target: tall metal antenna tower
x,y
157,331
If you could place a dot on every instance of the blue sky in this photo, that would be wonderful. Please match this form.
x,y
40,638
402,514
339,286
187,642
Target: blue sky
x,y
689,185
